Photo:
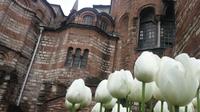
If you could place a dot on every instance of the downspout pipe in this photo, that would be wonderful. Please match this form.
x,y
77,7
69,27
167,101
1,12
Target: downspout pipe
x,y
30,66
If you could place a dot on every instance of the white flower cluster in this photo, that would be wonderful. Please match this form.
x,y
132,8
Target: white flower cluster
x,y
173,82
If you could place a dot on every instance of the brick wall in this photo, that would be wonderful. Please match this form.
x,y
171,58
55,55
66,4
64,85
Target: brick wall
x,y
50,60
188,30
18,35
49,77
126,14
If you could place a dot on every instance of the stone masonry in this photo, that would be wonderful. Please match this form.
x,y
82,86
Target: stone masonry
x,y
111,40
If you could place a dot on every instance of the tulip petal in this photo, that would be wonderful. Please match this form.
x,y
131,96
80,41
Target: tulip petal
x,y
136,91
176,85
146,67
102,94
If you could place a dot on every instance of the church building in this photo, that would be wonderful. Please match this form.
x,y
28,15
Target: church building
x,y
42,50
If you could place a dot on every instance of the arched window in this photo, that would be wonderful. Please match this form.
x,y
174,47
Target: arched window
x,y
77,58
69,60
148,29
168,29
123,23
88,20
103,25
84,58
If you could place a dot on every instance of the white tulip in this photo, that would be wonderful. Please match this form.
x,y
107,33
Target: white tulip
x,y
136,91
130,79
177,86
68,105
146,67
87,97
156,92
111,104
191,64
96,108
194,102
102,94
190,108
122,109
118,84
75,93
157,107
196,67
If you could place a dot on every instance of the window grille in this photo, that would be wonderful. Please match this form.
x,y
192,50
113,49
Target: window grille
x,y
104,25
77,58
69,60
168,28
88,20
84,58
148,29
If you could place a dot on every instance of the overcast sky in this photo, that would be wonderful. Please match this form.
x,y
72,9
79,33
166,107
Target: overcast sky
x,y
67,5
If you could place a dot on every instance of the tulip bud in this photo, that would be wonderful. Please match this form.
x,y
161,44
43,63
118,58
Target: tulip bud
x,y
156,92
186,62
136,91
146,67
190,108
177,86
87,97
118,84
157,107
75,91
129,79
194,102
102,94
68,105
111,104
196,67
96,108
122,109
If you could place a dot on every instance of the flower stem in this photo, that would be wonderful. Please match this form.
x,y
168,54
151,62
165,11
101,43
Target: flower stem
x,y
161,106
143,96
118,106
73,107
186,108
130,105
198,106
140,107
100,107
176,108
127,104
171,107
151,106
